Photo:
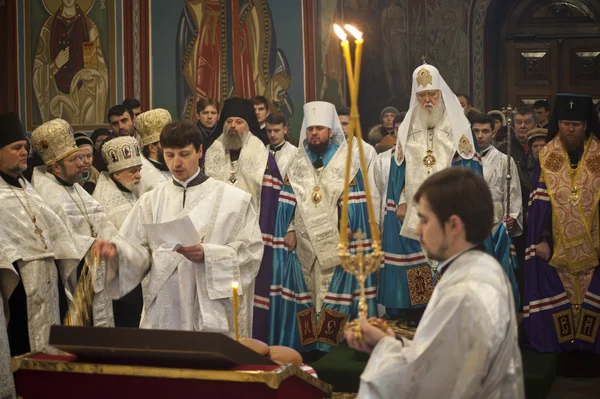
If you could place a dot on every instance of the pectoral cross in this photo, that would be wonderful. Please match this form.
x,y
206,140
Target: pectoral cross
x,y
571,104
40,233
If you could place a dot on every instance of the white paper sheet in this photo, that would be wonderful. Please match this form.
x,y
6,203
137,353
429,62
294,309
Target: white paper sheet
x,y
174,234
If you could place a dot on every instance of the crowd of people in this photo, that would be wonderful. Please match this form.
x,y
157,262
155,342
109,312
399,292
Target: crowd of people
x,y
520,232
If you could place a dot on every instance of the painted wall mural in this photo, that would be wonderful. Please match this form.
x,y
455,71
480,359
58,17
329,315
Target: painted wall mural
x,y
223,52
70,52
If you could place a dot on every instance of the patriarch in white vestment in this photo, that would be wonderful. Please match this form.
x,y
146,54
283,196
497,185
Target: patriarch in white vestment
x,y
466,344
189,288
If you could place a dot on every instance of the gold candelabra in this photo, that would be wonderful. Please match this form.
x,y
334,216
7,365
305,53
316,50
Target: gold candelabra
x,y
360,264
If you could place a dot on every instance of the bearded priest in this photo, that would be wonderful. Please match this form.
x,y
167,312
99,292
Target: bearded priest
x,y
312,297
58,183
37,256
116,191
238,157
189,288
434,135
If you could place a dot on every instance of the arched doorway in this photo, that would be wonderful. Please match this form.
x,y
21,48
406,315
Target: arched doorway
x,y
537,48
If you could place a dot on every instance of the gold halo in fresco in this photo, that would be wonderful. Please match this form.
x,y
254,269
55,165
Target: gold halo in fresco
x,y
53,5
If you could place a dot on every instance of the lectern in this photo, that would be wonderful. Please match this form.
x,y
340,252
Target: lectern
x,y
128,363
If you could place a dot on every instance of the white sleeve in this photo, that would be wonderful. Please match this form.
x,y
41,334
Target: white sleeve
x,y
446,359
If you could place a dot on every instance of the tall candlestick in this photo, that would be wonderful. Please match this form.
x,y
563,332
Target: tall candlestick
x,y
359,264
236,307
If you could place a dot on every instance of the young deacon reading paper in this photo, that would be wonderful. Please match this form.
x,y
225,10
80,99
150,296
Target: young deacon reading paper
x,y
466,343
189,288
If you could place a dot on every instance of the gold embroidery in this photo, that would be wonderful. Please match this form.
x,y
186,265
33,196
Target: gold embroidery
x,y
424,77
399,154
573,193
331,326
464,146
563,323
589,321
287,182
554,162
420,285
593,164
307,326
352,183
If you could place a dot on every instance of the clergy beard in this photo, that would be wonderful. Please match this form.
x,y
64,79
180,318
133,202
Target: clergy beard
x,y
320,148
573,145
233,140
438,254
428,117
132,186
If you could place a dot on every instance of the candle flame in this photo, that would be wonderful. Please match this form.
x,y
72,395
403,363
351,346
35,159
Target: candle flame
x,y
355,32
235,285
340,32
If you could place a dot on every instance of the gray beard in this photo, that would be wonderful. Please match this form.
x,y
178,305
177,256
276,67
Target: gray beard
x,y
234,141
430,119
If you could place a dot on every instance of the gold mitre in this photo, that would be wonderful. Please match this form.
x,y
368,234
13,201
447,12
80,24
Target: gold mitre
x,y
54,141
149,124
426,77
121,153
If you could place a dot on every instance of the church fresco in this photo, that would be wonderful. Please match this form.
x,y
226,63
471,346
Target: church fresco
x,y
69,55
213,62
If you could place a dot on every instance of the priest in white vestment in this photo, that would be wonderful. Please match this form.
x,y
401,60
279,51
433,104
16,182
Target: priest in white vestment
x,y
240,158
279,146
466,344
58,184
32,238
494,172
116,193
148,125
189,288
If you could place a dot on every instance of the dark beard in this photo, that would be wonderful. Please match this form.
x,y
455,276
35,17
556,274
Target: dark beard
x,y
572,146
318,149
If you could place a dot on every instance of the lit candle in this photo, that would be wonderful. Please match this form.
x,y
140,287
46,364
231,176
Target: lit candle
x,y
344,222
236,307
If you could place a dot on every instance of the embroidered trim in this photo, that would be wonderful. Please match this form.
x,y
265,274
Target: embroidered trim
x,y
331,326
545,304
420,286
587,326
416,258
307,326
563,323
261,302
592,299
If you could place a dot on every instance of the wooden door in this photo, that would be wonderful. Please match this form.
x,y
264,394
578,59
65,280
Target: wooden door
x,y
550,47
